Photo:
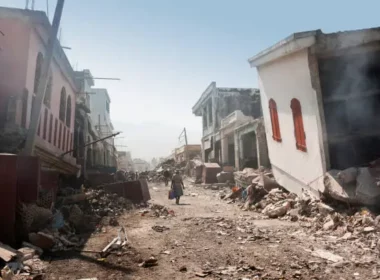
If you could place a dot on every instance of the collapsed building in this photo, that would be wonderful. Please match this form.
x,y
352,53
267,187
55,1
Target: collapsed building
x,y
233,131
320,95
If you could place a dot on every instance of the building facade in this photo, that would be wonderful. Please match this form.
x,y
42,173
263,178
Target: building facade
x,y
187,152
140,165
100,104
125,161
23,48
223,111
320,97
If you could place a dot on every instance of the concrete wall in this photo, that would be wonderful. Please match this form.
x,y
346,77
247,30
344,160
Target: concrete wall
x,y
13,55
282,80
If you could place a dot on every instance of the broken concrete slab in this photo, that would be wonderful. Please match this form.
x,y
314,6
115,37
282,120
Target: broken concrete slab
x,y
323,254
7,253
363,190
348,175
268,183
367,190
277,210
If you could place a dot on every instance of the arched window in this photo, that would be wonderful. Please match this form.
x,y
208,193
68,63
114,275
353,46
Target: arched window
x,y
45,123
24,112
68,111
62,105
276,134
299,131
37,73
49,88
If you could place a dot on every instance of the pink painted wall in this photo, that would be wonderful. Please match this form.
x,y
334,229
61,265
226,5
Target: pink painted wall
x,y
13,58
17,69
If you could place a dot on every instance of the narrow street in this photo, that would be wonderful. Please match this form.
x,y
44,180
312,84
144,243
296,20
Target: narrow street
x,y
208,238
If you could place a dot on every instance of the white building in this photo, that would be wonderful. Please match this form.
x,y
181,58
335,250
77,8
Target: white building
x,y
320,104
100,117
231,120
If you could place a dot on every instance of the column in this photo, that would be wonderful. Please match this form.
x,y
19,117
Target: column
x,y
238,147
224,147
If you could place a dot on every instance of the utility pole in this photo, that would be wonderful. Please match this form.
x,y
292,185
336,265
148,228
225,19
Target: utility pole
x,y
36,110
186,148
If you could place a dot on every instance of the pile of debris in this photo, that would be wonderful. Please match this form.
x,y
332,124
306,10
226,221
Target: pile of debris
x,y
51,226
103,203
252,186
265,196
23,262
354,185
159,211
347,223
250,176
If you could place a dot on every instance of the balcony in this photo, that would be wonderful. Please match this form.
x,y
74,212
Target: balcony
x,y
235,119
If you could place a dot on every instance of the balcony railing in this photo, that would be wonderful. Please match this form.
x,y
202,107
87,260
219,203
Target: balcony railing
x,y
236,117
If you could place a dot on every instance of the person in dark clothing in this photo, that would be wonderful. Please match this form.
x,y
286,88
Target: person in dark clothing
x,y
167,176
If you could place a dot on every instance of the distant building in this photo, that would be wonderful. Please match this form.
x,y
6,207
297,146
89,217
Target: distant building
x,y
187,152
100,103
141,165
233,132
154,162
23,49
125,161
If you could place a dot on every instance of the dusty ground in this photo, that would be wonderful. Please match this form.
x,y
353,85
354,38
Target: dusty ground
x,y
216,241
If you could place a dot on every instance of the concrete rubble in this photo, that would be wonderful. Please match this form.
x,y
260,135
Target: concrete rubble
x,y
349,226
354,185
59,226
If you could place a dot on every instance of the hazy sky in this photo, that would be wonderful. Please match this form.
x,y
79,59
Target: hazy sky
x,y
168,51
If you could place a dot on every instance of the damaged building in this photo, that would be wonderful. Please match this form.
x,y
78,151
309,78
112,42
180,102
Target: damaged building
x,y
21,58
233,131
320,95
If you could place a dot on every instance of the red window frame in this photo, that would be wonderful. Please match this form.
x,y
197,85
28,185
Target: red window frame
x,y
299,131
276,133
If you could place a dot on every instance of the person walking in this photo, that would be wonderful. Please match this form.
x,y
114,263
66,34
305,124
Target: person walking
x,y
167,176
177,186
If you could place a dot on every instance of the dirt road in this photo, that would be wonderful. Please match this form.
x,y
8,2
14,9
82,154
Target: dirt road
x,y
208,238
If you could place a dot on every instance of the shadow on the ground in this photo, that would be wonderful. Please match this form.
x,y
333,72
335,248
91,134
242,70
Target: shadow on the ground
x,y
58,256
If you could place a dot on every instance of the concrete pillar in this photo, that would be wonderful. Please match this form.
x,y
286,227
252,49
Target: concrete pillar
x,y
262,148
203,152
238,147
224,147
